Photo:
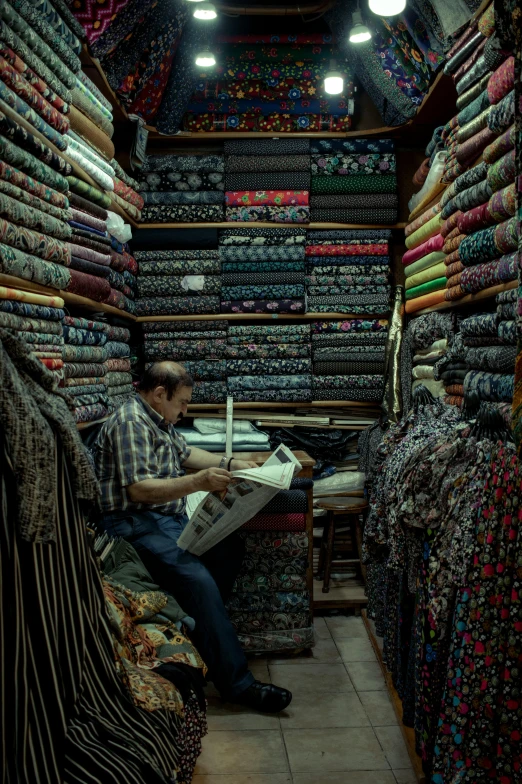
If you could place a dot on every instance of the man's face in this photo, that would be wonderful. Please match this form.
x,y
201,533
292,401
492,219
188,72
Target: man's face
x,y
174,409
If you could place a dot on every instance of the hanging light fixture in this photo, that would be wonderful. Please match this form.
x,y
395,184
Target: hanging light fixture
x,y
334,80
359,32
387,7
205,11
205,59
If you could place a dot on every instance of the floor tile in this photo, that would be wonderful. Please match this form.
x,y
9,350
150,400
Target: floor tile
x,y
404,776
259,669
312,679
392,741
366,676
378,707
248,751
324,750
356,649
225,716
324,710
347,777
342,626
322,632
324,651
248,778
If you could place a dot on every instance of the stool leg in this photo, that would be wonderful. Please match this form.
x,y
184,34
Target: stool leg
x,y
359,538
329,553
320,565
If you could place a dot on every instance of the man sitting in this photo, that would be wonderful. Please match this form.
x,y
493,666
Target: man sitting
x,y
139,461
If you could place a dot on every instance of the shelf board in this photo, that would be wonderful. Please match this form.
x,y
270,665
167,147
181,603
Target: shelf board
x,y
314,404
267,225
259,317
11,282
85,425
469,299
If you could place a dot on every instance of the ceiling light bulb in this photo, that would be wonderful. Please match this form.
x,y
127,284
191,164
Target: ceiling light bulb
x,y
333,83
205,11
194,1
387,7
359,32
205,59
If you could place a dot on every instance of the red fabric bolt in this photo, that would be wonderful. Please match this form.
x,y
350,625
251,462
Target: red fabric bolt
x,y
85,285
471,149
348,250
475,219
502,81
431,245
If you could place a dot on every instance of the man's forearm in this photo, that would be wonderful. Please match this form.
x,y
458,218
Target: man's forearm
x,y
200,459
161,491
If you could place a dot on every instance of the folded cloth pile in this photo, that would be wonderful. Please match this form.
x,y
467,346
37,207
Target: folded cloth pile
x,y
84,367
210,434
348,359
424,264
262,278
182,188
178,282
348,271
91,121
36,319
199,346
288,341
491,350
118,377
353,181
270,603
269,380
267,180
273,84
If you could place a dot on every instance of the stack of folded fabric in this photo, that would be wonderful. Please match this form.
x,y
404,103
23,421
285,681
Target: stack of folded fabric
x,y
271,83
348,359
84,367
182,188
37,320
118,377
348,271
426,342
270,380
267,180
210,434
270,606
126,187
491,343
262,279
424,263
123,277
353,181
435,146
280,341
178,282
199,345
424,359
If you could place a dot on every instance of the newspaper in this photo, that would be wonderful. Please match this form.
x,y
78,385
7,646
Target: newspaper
x,y
213,516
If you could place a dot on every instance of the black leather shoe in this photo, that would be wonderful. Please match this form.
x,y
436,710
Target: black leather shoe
x,y
265,697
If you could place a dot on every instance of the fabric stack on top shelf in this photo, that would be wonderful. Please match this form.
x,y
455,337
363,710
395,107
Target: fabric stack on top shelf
x,y
36,319
210,434
483,74
348,271
348,359
269,363
271,83
199,345
267,180
84,367
270,606
353,181
117,361
178,282
182,188
263,270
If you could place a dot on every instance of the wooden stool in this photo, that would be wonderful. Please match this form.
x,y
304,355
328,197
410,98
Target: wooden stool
x,y
350,508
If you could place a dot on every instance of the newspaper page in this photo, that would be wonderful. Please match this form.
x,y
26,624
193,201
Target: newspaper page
x,y
219,514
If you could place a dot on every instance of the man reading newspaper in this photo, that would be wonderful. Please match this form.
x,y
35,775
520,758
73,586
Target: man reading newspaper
x,y
140,461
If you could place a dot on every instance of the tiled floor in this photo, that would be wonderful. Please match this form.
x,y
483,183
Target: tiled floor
x,y
339,729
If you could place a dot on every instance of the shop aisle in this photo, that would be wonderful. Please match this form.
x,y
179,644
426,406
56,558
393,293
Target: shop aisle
x,y
340,728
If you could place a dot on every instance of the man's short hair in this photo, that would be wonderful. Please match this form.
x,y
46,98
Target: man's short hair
x,y
162,374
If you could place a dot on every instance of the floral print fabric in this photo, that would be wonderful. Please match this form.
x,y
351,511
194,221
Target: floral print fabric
x,y
263,306
273,198
181,213
288,214
176,306
357,183
273,236
352,164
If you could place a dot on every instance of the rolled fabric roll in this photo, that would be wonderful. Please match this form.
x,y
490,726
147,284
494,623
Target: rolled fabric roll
x,y
425,262
475,219
426,275
434,243
88,286
426,216
424,233
424,301
463,53
500,146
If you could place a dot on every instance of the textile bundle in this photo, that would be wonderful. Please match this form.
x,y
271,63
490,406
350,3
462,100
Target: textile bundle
x,y
353,187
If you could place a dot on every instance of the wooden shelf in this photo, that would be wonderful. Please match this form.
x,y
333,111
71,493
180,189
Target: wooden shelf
x,y
314,404
259,317
267,225
469,299
85,425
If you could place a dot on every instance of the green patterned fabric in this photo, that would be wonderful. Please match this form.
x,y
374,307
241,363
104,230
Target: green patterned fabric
x,y
35,243
23,160
20,213
23,265
33,201
357,184
17,104
81,188
41,27
12,321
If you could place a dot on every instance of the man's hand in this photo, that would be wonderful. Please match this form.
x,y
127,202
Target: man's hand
x,y
238,465
212,479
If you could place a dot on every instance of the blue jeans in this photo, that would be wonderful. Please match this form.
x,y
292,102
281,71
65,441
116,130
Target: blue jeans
x,y
201,584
